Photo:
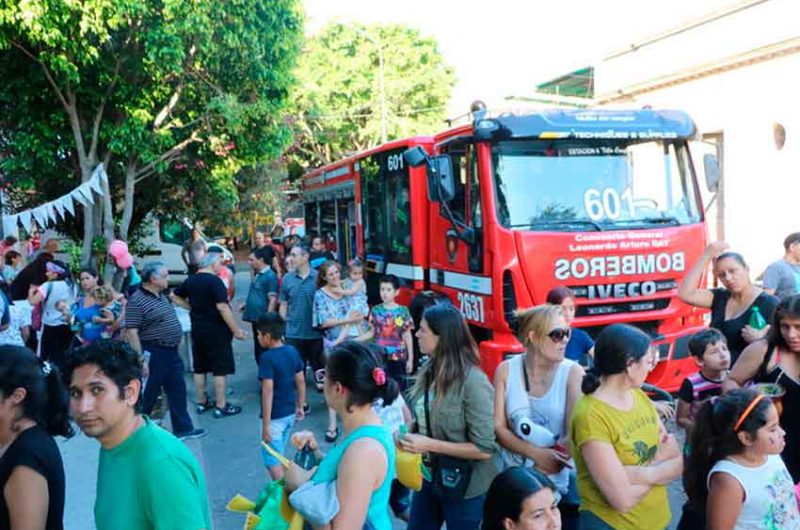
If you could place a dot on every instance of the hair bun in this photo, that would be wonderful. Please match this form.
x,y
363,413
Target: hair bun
x,y
591,381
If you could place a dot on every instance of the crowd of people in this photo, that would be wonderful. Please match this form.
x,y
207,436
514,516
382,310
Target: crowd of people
x,y
563,437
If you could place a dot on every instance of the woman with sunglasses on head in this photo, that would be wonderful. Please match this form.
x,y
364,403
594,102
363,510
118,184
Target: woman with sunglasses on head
x,y
580,347
521,498
534,396
452,400
623,455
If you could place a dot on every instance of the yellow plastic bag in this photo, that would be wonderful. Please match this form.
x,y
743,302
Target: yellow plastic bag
x,y
271,511
240,504
409,469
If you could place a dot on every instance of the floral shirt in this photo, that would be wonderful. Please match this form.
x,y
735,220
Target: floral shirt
x,y
328,308
390,326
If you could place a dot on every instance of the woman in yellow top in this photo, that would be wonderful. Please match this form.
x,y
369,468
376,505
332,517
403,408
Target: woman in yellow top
x,y
623,455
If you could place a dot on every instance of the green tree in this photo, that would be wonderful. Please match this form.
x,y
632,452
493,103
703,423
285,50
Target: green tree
x,y
165,93
338,105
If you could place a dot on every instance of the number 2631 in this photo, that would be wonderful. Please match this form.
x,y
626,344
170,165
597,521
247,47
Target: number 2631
x,y
471,306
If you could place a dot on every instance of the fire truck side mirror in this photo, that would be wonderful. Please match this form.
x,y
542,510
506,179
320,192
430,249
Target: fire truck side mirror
x,y
712,172
416,156
441,186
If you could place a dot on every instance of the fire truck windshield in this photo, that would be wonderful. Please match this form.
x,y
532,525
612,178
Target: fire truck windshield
x,y
578,185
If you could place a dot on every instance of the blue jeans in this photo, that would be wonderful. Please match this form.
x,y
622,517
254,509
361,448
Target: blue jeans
x,y
400,498
166,371
279,431
429,510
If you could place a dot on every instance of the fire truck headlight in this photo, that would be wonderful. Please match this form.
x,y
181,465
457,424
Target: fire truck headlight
x,y
485,129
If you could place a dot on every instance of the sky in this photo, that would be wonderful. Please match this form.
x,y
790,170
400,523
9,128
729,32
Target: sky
x,y
500,48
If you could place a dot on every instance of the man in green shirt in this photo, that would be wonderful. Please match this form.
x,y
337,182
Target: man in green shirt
x,y
147,478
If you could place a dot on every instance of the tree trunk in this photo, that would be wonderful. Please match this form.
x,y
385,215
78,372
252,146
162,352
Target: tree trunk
x,y
108,225
89,214
127,210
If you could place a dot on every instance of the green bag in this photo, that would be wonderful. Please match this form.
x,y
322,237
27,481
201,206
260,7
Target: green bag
x,y
268,507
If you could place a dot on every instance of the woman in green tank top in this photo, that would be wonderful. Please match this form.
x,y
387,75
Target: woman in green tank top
x,y
363,462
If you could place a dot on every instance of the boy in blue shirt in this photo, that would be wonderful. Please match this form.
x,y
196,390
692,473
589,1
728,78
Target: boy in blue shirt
x,y
283,388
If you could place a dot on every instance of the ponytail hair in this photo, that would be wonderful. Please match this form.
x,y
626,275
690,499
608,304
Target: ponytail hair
x,y
359,367
591,381
617,347
46,400
714,437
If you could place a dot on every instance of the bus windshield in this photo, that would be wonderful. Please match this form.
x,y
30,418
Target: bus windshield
x,y
575,185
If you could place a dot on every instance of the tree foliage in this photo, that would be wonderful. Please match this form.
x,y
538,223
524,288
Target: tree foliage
x,y
338,104
173,96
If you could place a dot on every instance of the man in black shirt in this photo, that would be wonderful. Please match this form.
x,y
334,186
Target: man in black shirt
x,y
213,326
152,326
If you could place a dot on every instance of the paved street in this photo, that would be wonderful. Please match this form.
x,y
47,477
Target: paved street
x,y
229,453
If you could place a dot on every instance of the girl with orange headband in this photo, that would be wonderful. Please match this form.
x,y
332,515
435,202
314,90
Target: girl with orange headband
x,y
735,473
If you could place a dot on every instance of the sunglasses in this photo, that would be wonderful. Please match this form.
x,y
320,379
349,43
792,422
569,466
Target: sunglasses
x,y
559,334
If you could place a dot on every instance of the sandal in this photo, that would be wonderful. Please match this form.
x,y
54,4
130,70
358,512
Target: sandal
x,y
204,407
227,410
331,435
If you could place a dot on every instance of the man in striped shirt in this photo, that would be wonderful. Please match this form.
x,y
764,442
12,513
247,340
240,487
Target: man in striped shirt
x,y
152,326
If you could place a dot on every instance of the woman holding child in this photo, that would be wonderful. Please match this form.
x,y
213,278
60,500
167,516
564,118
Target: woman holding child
x,y
332,314
777,360
534,396
96,310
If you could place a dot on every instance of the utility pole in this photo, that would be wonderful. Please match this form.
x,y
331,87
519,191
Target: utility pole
x,y
381,80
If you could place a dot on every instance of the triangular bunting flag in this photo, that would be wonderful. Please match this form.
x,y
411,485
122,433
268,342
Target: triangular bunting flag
x,y
85,189
69,206
50,212
95,182
10,227
78,196
40,215
25,219
58,204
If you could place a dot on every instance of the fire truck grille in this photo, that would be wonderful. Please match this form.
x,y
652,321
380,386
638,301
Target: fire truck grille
x,y
621,307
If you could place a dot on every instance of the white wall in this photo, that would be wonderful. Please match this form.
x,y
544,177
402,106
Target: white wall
x,y
762,184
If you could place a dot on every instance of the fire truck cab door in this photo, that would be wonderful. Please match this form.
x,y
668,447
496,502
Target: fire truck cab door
x,y
458,266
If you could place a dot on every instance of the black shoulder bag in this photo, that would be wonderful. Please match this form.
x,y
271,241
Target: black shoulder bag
x,y
451,475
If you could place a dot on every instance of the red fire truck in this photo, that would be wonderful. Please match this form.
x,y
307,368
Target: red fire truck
x,y
497,212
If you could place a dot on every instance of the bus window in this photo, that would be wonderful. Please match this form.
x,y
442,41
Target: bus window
x,y
327,218
372,209
399,208
312,218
